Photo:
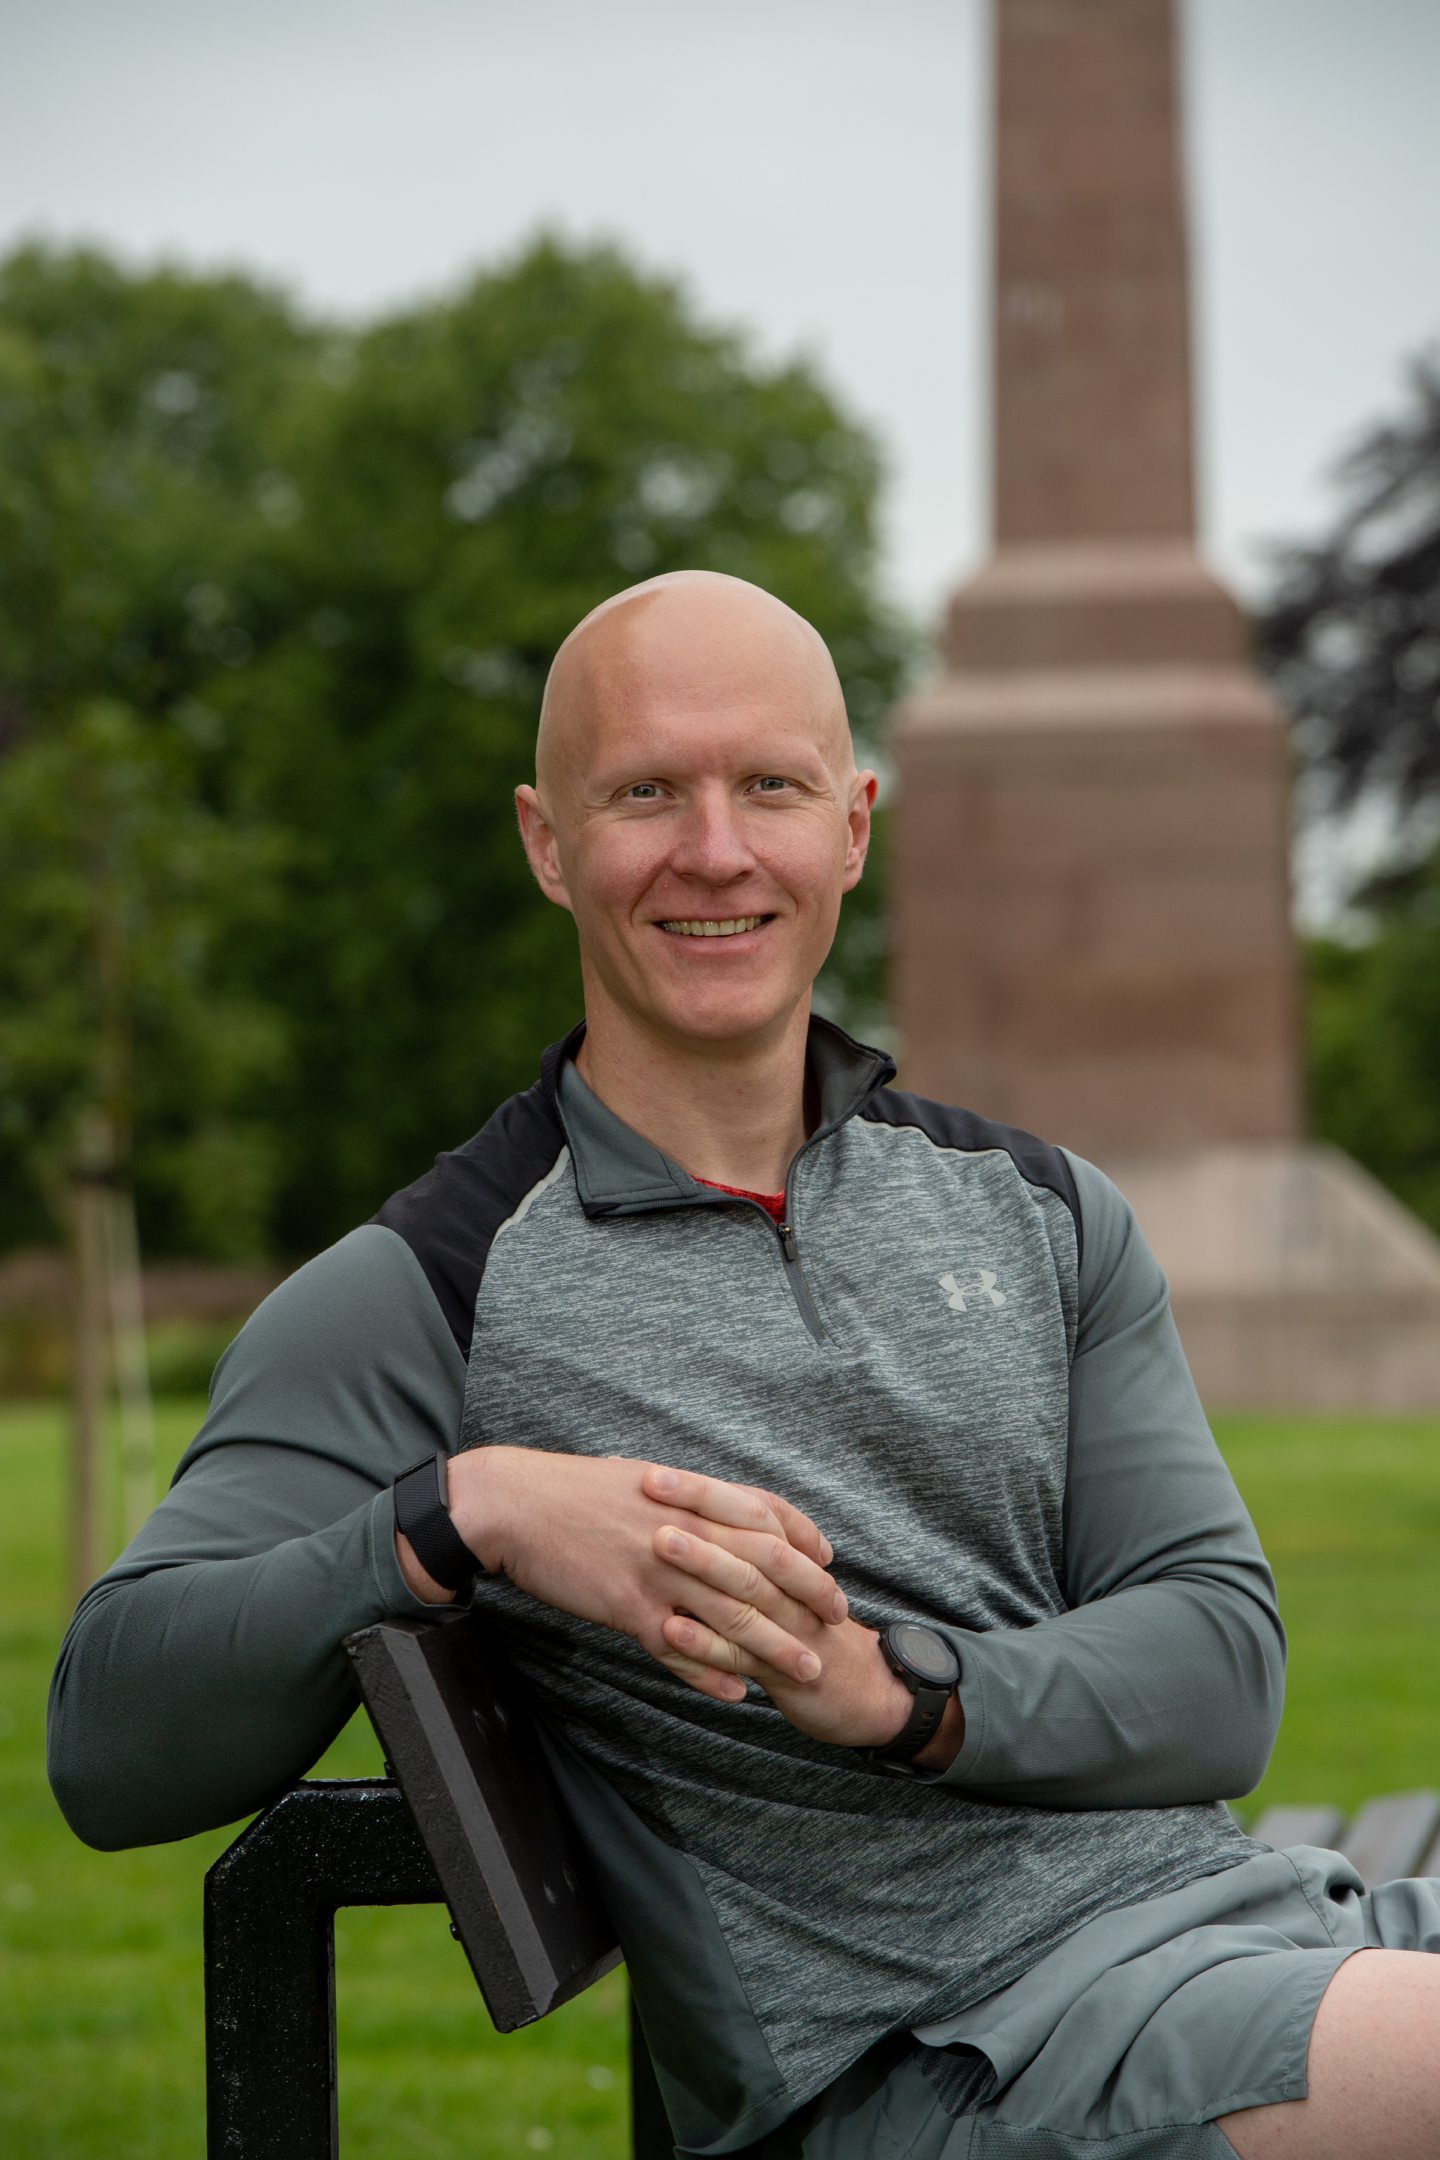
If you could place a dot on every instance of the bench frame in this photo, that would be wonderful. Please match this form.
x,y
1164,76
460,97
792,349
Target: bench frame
x,y
468,1816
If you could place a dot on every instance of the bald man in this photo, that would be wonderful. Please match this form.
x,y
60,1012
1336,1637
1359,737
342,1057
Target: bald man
x,y
829,1463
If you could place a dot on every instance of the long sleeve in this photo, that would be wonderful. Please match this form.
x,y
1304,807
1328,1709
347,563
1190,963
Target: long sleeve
x,y
1163,1681
204,1672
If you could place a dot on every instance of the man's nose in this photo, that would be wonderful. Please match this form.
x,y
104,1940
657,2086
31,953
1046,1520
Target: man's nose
x,y
711,843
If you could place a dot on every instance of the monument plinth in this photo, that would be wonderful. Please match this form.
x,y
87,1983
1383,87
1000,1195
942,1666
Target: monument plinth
x,y
1093,932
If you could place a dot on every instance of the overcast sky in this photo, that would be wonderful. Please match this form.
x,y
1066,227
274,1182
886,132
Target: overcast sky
x,y
816,170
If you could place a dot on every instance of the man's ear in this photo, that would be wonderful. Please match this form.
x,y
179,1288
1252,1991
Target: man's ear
x,y
862,799
541,846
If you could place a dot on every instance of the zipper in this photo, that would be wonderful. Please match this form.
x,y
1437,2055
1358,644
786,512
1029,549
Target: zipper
x,y
795,1274
792,1268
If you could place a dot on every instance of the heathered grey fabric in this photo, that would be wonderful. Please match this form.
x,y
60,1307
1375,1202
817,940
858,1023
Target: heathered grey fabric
x,y
932,1446
1089,1709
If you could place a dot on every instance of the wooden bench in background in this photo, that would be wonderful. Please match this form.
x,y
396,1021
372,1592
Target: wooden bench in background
x,y
1396,1836
468,1817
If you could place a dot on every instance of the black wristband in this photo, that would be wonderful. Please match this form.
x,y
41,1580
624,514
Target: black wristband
x,y
926,1712
422,1515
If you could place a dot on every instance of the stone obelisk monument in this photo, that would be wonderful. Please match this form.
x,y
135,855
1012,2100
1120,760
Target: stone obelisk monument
x,y
1092,893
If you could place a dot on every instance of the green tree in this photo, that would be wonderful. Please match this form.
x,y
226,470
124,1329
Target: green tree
x,y
293,592
1351,634
133,478
118,880
1373,1027
115,878
1352,639
137,492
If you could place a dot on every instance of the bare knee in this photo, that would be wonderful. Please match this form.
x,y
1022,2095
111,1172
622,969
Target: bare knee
x,y
1370,2076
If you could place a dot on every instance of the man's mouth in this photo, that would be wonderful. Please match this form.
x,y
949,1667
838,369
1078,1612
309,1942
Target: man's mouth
x,y
713,926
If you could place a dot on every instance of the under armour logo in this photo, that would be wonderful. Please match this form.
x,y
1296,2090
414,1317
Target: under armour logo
x,y
956,1292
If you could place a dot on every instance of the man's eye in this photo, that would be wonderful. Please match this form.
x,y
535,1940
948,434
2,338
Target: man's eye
x,y
769,783
643,791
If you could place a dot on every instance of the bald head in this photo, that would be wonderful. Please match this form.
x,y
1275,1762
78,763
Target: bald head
x,y
698,812
686,642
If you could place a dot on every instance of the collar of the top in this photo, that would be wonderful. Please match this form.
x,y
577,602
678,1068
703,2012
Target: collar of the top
x,y
619,1172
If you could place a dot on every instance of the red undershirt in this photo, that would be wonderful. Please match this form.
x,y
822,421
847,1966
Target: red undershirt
x,y
772,1202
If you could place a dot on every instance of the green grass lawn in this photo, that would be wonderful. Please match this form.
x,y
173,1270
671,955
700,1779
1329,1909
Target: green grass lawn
x,y
100,1990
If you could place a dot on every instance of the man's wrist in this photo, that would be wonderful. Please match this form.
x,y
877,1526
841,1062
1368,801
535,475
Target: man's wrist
x,y
418,1580
482,1502
477,1500
894,1705
945,1743
433,1556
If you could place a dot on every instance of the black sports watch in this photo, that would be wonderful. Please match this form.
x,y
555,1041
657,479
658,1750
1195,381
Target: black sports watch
x,y
931,1670
422,1512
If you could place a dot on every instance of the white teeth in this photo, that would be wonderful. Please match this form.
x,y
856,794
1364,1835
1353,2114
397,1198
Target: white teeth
x,y
709,928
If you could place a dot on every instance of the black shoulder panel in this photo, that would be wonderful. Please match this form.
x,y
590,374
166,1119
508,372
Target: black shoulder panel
x,y
968,1133
449,1217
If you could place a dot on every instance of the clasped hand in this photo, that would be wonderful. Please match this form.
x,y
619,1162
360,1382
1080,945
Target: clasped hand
x,y
719,1582
839,1689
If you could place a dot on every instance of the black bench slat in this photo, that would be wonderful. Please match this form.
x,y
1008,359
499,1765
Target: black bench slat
x,y
459,1740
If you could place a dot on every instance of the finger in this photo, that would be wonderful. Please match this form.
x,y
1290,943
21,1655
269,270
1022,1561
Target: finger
x,y
733,1573
805,1535
719,1683
700,1646
789,1569
737,1601
745,1507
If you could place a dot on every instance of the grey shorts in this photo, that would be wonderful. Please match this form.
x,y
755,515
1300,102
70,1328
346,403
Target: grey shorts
x,y
1127,2041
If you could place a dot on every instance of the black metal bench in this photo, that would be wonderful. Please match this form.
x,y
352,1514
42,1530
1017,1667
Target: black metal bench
x,y
467,1817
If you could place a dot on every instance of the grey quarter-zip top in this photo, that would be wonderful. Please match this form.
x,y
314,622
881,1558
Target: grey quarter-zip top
x,y
955,1354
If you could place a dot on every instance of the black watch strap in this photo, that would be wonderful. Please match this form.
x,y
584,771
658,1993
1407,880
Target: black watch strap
x,y
926,1711
422,1514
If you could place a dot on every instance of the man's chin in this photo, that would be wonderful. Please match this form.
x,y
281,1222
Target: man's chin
x,y
708,1006
725,1019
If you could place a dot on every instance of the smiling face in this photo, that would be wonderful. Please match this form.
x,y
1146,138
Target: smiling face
x,y
697,809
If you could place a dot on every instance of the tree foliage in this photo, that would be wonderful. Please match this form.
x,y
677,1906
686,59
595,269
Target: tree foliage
x,y
1352,637
1352,633
134,414
314,580
117,877
1374,1037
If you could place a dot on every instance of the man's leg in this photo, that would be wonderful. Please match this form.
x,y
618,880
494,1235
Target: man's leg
x,y
1372,2074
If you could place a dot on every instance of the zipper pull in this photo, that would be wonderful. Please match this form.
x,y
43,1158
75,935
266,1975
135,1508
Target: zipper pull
x,y
787,1240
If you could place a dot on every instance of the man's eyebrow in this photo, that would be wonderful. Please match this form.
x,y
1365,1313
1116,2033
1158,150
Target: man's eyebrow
x,y
605,782
805,761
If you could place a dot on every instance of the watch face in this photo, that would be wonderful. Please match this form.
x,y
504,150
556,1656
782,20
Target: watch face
x,y
927,1654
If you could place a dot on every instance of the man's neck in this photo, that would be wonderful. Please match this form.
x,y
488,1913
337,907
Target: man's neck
x,y
731,1113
